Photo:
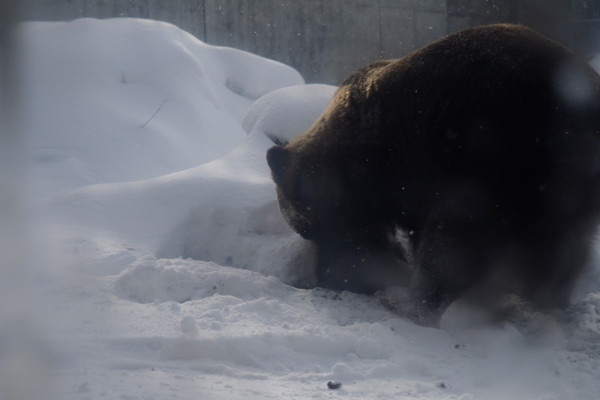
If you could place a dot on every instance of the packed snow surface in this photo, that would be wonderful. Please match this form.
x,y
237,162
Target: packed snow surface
x,y
162,268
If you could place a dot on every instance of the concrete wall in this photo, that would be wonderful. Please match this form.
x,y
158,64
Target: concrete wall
x,y
324,39
586,25
186,14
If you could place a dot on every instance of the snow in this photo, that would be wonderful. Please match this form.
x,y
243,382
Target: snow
x,y
162,267
127,101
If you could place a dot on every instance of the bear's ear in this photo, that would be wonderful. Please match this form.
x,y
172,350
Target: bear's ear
x,y
277,157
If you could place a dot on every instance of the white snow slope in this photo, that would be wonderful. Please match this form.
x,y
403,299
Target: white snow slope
x,y
162,268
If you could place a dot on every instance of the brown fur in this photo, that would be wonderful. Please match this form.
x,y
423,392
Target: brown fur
x,y
472,146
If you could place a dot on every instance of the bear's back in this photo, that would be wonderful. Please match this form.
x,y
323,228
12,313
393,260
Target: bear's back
x,y
493,106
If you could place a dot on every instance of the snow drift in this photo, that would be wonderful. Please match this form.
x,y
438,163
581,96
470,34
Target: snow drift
x,y
125,100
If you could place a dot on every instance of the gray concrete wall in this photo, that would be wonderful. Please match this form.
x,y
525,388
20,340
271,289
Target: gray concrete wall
x,y
324,39
551,17
586,25
186,14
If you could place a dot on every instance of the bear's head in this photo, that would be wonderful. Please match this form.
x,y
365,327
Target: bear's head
x,y
332,179
309,193
330,191
336,198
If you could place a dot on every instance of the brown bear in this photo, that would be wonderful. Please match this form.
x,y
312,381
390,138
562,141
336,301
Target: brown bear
x,y
483,148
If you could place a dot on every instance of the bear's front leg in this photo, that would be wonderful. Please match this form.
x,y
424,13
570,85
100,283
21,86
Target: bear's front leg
x,y
453,254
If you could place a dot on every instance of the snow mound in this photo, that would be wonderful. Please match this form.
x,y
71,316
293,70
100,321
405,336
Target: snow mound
x,y
284,114
126,99
198,213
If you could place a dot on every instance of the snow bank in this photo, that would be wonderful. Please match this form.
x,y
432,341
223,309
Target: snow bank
x,y
200,212
127,99
282,115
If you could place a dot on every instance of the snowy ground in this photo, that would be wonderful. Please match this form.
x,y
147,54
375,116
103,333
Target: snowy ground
x,y
163,270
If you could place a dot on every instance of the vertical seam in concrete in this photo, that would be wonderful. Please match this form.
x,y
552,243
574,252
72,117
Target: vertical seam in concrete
x,y
380,55
253,34
571,23
204,21
447,18
414,22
